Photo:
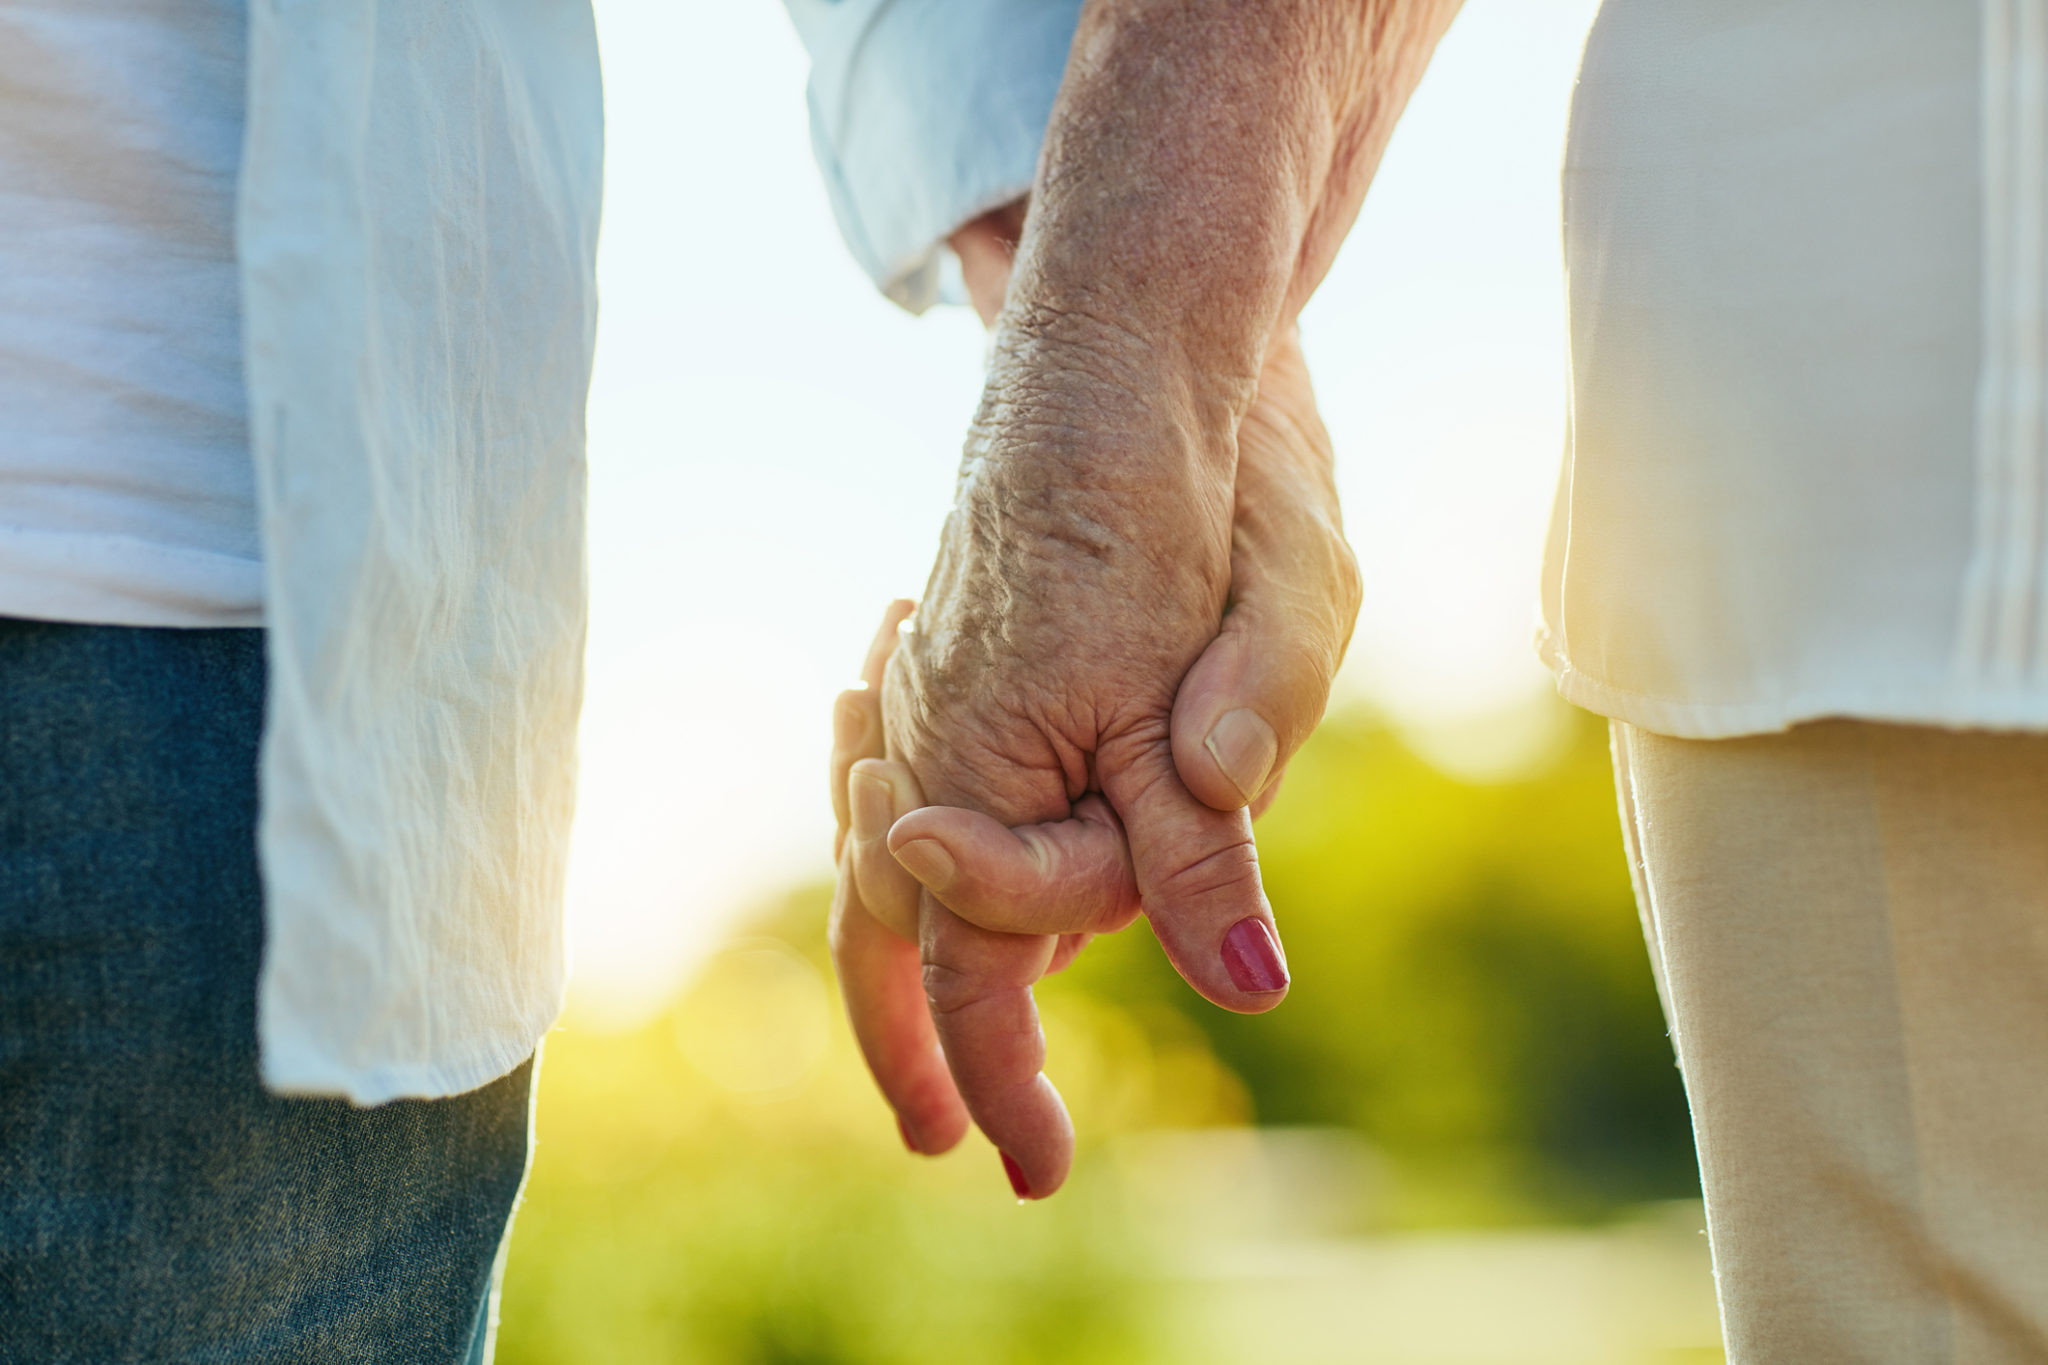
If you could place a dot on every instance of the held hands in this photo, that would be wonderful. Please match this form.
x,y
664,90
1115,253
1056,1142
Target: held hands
x,y
874,928
1143,591
1105,677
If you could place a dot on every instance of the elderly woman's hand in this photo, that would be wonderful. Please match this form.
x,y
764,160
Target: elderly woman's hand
x,y
875,913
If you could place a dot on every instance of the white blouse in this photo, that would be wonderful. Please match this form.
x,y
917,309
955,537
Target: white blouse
x,y
1805,245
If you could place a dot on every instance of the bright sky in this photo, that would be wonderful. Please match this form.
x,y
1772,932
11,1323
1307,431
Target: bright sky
x,y
772,447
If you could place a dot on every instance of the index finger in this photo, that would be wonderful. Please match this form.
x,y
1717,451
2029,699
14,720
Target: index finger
x,y
857,716
884,643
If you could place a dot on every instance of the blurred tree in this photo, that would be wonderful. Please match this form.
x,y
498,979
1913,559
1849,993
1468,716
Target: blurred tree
x,y
683,1209
1471,991
1472,1018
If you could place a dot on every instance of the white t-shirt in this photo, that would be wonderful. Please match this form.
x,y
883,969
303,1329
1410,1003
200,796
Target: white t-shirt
x,y
127,492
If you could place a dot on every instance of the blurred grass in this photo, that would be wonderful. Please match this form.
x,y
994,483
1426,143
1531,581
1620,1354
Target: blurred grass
x,y
1452,1143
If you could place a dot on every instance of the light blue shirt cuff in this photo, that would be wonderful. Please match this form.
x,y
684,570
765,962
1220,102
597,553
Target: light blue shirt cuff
x,y
926,114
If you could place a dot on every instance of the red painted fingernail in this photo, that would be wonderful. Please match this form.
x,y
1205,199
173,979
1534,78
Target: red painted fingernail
x,y
1252,958
903,1130
1016,1174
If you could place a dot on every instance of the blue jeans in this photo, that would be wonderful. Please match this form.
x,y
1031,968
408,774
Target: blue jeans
x,y
156,1203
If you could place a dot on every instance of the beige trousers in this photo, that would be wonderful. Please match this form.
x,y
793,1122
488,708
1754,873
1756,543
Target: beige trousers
x,y
1849,926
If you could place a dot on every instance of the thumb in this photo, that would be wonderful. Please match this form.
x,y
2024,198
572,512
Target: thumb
x,y
1259,689
1198,876
1253,698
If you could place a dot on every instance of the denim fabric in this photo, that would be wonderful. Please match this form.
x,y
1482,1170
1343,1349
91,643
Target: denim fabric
x,y
156,1203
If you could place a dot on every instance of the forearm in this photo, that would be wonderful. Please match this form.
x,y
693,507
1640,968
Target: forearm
x,y
1205,159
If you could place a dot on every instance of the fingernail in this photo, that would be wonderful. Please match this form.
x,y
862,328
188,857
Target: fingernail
x,y
903,1130
874,805
1252,958
1244,746
1016,1174
849,722
928,861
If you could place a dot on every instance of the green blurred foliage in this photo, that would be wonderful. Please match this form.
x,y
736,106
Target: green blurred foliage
x,y
721,1185
1472,1008
1471,991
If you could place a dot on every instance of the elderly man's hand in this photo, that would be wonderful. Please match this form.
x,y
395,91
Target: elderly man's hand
x,y
1260,687
1084,569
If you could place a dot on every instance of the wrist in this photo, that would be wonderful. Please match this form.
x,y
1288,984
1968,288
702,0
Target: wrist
x,y
1182,166
1205,159
1083,422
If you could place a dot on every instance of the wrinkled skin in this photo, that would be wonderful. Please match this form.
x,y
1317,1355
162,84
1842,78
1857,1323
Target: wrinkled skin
x,y
1023,903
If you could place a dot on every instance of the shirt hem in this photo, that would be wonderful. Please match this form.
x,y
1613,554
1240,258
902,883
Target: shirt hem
x,y
1942,706
298,1069
111,580
916,284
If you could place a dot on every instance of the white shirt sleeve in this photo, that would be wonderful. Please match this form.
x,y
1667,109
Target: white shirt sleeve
x,y
924,115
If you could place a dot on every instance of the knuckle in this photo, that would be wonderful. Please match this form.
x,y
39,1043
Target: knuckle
x,y
1233,866
998,1015
948,990
1350,582
1115,915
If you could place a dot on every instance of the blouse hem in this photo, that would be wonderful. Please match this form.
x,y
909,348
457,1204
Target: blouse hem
x,y
1942,706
